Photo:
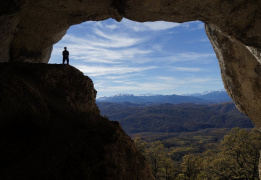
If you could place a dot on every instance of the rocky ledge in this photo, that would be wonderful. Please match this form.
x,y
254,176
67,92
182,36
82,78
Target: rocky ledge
x,y
51,128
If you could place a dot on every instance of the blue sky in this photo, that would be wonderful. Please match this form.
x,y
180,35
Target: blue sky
x,y
141,58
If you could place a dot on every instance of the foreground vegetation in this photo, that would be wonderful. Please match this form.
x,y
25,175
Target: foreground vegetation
x,y
234,157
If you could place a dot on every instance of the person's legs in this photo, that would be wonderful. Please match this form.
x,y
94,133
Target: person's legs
x,y
63,60
68,60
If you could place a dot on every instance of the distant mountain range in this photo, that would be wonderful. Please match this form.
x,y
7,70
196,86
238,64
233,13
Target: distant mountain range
x,y
174,118
201,98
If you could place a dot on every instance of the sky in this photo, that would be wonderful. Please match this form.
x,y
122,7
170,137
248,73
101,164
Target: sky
x,y
129,57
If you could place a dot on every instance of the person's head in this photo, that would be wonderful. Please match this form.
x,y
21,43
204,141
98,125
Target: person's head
x,y
65,48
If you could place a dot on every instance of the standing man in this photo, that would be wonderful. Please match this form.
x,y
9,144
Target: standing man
x,y
65,55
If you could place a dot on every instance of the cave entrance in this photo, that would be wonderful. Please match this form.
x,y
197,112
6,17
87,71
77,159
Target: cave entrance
x,y
142,58
156,58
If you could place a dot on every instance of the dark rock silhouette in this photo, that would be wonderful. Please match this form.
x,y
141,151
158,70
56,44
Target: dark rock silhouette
x,y
50,128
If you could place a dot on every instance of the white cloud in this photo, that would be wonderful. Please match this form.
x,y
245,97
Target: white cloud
x,y
201,26
158,85
142,87
103,70
118,47
114,40
149,26
102,51
188,81
193,25
204,40
112,26
197,41
123,77
192,56
186,69
160,25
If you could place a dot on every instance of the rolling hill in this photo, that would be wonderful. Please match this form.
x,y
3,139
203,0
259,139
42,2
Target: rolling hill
x,y
187,117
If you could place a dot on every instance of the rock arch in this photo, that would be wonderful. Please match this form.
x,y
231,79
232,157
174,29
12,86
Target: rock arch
x,y
29,28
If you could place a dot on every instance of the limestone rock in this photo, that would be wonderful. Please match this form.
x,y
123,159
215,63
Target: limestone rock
x,y
51,128
241,72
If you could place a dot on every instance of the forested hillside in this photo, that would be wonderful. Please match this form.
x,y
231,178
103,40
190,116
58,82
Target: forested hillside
x,y
235,157
190,141
137,118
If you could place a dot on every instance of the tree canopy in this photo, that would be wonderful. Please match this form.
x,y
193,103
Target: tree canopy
x,y
236,157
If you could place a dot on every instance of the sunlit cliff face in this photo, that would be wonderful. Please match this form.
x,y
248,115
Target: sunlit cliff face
x,y
30,28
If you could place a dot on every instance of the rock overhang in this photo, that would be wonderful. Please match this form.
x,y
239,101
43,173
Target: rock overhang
x,y
43,23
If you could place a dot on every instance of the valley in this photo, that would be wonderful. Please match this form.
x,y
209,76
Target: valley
x,y
187,140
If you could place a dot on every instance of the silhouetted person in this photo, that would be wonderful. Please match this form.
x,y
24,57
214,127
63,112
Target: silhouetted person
x,y
65,55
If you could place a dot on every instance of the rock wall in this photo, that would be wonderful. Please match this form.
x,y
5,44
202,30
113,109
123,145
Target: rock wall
x,y
241,72
51,128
